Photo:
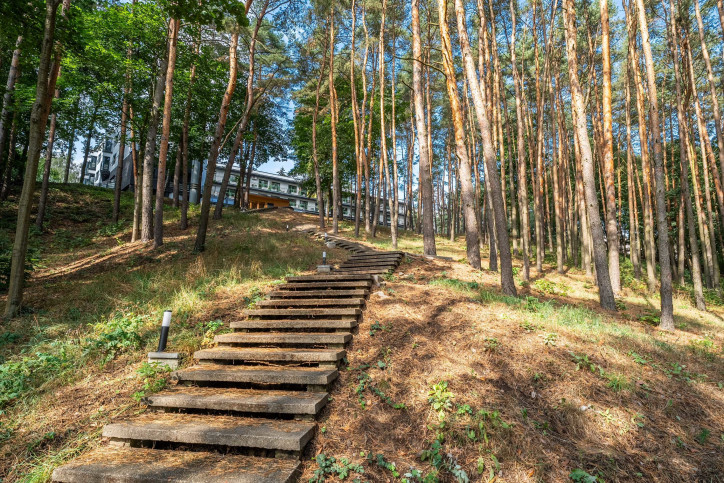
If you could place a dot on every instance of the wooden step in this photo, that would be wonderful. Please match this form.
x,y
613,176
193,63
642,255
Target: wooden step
x,y
312,302
213,430
326,285
326,278
322,294
239,400
315,312
303,376
296,338
296,324
127,465
269,354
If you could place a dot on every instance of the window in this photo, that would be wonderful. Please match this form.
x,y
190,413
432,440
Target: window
x,y
230,194
218,177
292,203
234,179
263,184
292,190
275,186
303,205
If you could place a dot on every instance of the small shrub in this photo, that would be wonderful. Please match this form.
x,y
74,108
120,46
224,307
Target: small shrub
x,y
441,398
119,334
155,378
552,288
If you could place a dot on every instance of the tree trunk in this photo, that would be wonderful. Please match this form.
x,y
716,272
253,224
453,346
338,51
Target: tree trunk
x,y
43,199
336,187
149,154
633,228
38,119
88,139
522,184
173,29
184,224
607,156
200,243
5,114
315,157
466,185
579,119
425,181
491,171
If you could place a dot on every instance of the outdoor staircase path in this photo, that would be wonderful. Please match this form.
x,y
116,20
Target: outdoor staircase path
x,y
246,411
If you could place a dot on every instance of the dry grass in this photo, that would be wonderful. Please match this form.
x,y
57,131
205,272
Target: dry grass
x,y
574,387
69,364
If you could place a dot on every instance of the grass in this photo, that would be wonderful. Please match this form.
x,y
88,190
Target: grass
x,y
74,359
573,393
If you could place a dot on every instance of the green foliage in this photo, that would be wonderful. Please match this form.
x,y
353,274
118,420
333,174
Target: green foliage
x,y
154,377
329,466
580,476
552,288
18,377
440,462
365,383
118,334
211,329
455,284
379,459
550,339
440,398
703,436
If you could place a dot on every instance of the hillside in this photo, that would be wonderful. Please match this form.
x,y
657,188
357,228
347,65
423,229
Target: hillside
x,y
445,376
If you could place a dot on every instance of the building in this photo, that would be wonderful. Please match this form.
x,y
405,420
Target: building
x,y
266,189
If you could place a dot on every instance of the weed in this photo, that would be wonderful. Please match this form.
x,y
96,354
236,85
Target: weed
x,y
651,317
440,398
154,377
330,466
703,347
703,436
379,459
638,359
9,338
439,462
119,334
552,288
211,329
530,327
375,327
580,476
491,344
550,339
617,382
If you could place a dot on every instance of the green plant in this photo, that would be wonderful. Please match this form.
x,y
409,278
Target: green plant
x,y
529,326
330,466
439,462
491,344
703,436
580,476
440,398
375,327
638,359
379,459
119,334
154,377
651,317
211,329
617,382
552,288
550,339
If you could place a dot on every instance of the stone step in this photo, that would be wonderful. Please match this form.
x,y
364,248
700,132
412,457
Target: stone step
x,y
269,354
348,323
130,465
297,338
326,285
369,271
326,278
322,294
240,400
213,430
378,254
368,265
303,376
312,302
316,312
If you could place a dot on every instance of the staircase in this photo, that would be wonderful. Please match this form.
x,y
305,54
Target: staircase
x,y
246,411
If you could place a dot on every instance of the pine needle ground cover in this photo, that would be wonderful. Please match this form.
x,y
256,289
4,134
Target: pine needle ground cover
x,y
450,380
75,359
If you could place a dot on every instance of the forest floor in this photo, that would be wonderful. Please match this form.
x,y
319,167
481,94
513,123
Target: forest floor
x,y
445,376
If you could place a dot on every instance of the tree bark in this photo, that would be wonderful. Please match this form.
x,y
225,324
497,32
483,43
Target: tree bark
x,y
606,295
88,139
607,156
5,114
183,223
38,119
173,29
425,181
491,170
43,199
466,185
200,243
334,110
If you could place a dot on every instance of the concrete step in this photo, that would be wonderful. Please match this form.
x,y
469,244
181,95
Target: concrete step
x,y
213,430
326,285
326,278
127,465
312,302
368,265
369,271
378,254
240,400
303,376
321,294
269,354
315,312
297,338
338,323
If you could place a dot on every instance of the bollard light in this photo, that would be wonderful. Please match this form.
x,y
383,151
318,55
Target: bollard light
x,y
164,331
287,226
324,258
